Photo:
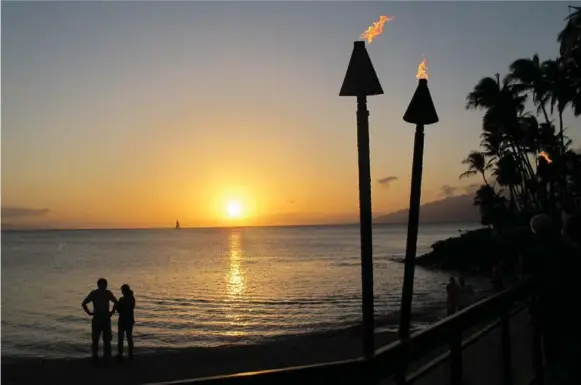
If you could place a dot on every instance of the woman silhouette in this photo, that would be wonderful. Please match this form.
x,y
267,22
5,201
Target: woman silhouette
x,y
126,320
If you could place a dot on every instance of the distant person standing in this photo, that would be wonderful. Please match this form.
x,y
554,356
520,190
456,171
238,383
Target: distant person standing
x,y
497,277
126,320
465,292
101,322
452,296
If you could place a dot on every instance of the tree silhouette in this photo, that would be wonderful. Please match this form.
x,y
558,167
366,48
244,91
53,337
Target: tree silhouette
x,y
514,143
477,163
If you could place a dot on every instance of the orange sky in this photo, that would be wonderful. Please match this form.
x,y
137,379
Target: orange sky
x,y
112,120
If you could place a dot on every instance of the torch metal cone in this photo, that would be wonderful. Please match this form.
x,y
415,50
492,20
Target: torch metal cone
x,y
360,78
421,109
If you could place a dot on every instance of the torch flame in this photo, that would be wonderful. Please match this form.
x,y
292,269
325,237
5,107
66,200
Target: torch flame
x,y
546,156
422,69
375,29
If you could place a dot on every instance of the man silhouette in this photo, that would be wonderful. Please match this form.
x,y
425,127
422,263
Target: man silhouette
x,y
101,323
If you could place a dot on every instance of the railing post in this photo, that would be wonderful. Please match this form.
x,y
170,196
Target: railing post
x,y
537,344
401,374
400,377
506,348
456,359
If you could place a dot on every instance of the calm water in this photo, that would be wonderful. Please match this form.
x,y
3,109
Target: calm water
x,y
202,287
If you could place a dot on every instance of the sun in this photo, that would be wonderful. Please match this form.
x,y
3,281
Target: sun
x,y
234,210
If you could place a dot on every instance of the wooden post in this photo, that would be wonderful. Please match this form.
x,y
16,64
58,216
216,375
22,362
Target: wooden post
x,y
412,235
365,223
506,348
456,375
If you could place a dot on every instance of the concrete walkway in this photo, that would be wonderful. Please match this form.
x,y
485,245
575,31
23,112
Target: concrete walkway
x,y
482,360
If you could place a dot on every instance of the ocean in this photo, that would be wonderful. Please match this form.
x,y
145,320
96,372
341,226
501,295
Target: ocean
x,y
205,287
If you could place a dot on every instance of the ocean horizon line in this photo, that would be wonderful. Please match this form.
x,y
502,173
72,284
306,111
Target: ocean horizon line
x,y
339,224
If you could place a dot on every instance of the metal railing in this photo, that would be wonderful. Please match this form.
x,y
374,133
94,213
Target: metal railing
x,y
394,360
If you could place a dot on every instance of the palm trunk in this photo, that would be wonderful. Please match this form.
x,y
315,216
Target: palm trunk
x,y
519,154
512,199
524,197
525,160
484,179
526,171
561,135
544,109
562,178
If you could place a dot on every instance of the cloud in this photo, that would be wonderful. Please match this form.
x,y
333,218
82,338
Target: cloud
x,y
387,180
450,191
471,188
20,212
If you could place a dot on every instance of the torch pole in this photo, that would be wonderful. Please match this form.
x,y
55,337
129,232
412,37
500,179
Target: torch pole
x,y
365,226
361,81
412,236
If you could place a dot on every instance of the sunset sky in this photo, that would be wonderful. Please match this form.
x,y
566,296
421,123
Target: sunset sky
x,y
135,114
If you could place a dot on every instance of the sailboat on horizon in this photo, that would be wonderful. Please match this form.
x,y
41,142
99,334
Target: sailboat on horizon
x,y
178,225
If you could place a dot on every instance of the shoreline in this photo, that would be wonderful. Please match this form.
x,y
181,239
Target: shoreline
x,y
180,363
383,323
170,364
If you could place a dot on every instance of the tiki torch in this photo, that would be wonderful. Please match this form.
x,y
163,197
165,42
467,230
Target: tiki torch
x,y
544,176
421,112
361,81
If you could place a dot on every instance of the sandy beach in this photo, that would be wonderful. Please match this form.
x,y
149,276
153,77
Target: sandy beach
x,y
169,365
175,364
195,362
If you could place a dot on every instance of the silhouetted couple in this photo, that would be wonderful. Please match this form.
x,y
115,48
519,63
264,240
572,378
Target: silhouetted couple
x,y
101,322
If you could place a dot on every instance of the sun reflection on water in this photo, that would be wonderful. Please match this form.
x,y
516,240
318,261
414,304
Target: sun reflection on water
x,y
235,275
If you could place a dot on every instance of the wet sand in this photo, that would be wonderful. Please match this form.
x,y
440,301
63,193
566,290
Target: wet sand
x,y
177,364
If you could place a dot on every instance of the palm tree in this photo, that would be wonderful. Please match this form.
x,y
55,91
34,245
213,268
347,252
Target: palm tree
x,y
503,104
505,101
486,200
477,163
529,75
570,49
507,174
547,82
511,140
530,133
570,36
561,92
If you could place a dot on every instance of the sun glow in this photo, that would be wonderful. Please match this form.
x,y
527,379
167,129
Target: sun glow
x,y
234,210
233,206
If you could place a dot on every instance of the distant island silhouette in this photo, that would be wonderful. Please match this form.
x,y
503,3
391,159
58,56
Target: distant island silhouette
x,y
449,210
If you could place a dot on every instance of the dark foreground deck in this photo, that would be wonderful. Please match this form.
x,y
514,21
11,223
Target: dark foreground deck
x,y
491,342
